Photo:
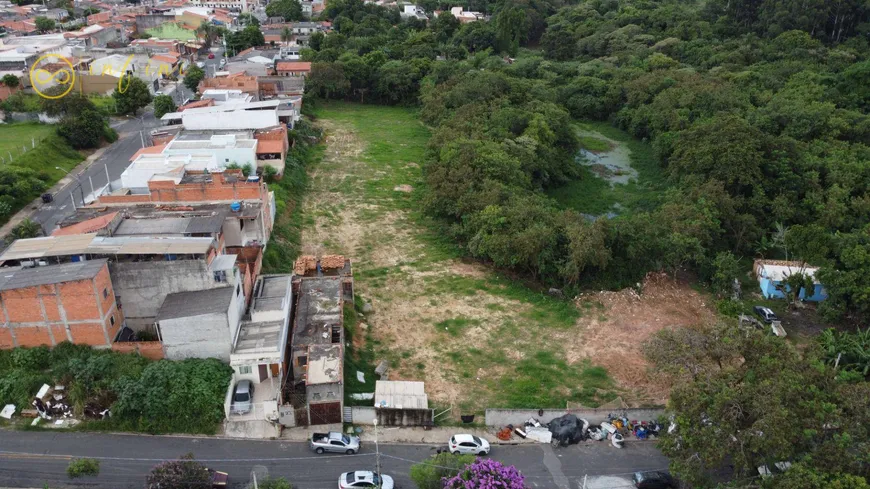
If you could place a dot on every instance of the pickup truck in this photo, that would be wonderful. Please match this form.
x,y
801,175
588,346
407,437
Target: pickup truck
x,y
334,442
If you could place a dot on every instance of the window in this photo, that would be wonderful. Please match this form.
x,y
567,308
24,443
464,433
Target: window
x,y
220,276
316,396
302,361
105,293
238,289
244,369
112,320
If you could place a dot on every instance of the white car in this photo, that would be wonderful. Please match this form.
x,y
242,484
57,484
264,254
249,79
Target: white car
x,y
468,445
364,478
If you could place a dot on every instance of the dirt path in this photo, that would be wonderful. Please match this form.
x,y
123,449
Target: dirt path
x,y
475,338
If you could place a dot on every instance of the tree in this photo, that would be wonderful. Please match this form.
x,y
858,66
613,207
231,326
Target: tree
x,y
83,466
44,24
327,80
286,35
486,473
430,473
249,37
25,229
747,399
184,473
290,10
726,268
10,80
134,95
247,18
511,26
70,104
84,130
316,40
192,77
163,104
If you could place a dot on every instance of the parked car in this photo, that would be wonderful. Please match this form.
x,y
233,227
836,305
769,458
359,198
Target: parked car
x,y
219,480
243,398
364,478
210,55
654,480
468,445
765,314
334,442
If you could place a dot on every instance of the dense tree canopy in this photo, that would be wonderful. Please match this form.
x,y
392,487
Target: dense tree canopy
x,y
756,112
132,95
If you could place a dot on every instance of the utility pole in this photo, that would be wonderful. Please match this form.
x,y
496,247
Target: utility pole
x,y
108,178
93,194
377,451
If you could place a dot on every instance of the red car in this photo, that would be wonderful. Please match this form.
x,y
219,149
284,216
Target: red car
x,y
210,55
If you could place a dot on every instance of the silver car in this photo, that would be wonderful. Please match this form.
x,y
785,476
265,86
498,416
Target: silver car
x,y
364,478
468,445
243,398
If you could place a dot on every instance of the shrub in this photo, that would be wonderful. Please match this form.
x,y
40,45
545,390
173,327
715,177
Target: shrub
x,y
274,483
83,466
430,473
486,473
185,473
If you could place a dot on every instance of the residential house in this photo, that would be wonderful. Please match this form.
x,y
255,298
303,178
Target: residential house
x,y
466,16
414,12
93,36
230,117
45,304
225,97
100,17
772,276
230,5
55,14
238,81
18,54
201,323
259,350
293,68
317,351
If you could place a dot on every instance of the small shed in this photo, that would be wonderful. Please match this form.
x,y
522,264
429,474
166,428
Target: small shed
x,y
772,274
400,394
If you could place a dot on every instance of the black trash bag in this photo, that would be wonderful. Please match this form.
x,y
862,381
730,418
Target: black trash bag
x,y
568,429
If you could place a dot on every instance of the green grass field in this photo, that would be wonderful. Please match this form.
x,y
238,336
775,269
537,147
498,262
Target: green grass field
x,y
171,30
460,328
15,136
51,151
590,194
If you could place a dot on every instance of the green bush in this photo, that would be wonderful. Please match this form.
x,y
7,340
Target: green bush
x,y
428,473
38,358
274,483
83,466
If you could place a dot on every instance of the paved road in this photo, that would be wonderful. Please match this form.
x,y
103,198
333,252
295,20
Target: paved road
x,y
31,459
116,158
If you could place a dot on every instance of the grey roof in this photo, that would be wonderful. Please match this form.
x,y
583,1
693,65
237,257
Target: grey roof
x,y
262,337
318,309
196,303
210,224
17,278
223,262
150,227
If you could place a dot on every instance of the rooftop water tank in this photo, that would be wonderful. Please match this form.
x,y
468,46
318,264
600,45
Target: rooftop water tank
x,y
236,206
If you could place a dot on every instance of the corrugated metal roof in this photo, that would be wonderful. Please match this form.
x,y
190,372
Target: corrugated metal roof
x,y
18,278
209,224
400,394
150,227
223,262
24,249
196,303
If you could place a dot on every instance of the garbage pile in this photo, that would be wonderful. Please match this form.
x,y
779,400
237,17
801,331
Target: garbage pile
x,y
51,403
570,429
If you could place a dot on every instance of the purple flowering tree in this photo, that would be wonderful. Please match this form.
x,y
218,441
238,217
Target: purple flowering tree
x,y
486,473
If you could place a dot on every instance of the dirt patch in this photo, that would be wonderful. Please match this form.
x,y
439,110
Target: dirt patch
x,y
617,323
403,188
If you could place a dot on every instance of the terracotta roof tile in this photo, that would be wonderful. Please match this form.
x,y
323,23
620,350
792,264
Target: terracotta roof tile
x,y
150,150
293,66
86,227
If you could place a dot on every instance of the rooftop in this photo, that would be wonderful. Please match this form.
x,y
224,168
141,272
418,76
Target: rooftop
x,y
400,394
170,225
196,303
88,226
18,278
324,364
262,337
271,293
79,244
317,310
293,66
778,273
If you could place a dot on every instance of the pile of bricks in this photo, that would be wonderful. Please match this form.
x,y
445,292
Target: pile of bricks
x,y
328,262
304,264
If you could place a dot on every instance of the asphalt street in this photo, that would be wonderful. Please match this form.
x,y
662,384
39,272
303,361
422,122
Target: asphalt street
x,y
35,459
116,158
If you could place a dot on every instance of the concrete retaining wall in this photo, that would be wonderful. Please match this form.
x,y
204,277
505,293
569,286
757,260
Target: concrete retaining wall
x,y
516,417
365,415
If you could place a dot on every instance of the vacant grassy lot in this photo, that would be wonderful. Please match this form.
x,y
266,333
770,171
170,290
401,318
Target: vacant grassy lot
x,y
15,136
591,194
477,338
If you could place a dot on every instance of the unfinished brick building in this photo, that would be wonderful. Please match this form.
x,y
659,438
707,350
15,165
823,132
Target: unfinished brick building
x,y
46,305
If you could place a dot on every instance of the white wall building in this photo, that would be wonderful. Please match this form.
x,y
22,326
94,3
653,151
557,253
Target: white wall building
x,y
226,149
